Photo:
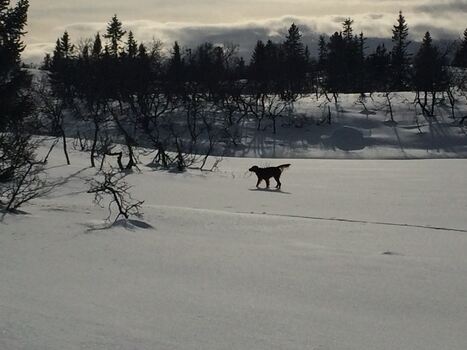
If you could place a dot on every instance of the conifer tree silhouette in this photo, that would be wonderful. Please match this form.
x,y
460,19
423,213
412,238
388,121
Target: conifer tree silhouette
x,y
114,34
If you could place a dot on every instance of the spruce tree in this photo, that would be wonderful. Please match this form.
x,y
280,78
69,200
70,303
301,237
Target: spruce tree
x,y
142,51
347,32
293,45
258,62
57,54
15,104
66,47
335,67
322,51
62,74
84,52
240,69
460,59
274,60
429,74
378,69
361,47
132,46
114,34
428,67
175,69
360,72
176,59
400,58
219,63
344,64
47,62
19,170
295,64
97,47
63,52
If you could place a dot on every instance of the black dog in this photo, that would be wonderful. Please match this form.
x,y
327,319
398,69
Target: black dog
x,y
266,173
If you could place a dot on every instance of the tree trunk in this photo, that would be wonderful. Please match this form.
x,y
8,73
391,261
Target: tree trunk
x,y
65,148
94,143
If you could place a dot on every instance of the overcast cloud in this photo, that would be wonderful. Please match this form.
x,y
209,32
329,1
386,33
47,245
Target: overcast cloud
x,y
241,22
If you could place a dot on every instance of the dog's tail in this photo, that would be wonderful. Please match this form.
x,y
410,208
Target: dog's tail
x,y
283,167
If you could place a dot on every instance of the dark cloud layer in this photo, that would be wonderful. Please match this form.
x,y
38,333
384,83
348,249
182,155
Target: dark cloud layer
x,y
443,7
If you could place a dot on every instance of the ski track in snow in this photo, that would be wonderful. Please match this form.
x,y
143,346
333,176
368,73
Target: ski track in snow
x,y
363,222
317,218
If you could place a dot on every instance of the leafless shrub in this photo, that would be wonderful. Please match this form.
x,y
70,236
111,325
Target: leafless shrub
x,y
52,112
21,175
117,191
81,144
266,106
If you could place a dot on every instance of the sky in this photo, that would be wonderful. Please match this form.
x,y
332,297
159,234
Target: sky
x,y
241,22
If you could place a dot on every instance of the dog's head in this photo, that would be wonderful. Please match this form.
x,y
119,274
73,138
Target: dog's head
x,y
254,168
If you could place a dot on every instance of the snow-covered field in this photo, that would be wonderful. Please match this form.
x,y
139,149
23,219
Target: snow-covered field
x,y
351,254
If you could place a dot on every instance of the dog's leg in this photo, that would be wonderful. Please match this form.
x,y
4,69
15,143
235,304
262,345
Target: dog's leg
x,y
278,182
267,183
259,181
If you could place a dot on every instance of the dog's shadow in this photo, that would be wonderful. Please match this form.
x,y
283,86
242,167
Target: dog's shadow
x,y
270,190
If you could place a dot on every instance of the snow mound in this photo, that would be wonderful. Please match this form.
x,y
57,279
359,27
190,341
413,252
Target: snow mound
x,y
347,139
392,123
128,224
132,224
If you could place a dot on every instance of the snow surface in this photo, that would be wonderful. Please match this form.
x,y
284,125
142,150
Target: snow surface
x,y
351,254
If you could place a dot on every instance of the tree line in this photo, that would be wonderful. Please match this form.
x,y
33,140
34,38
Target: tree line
x,y
342,65
116,65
